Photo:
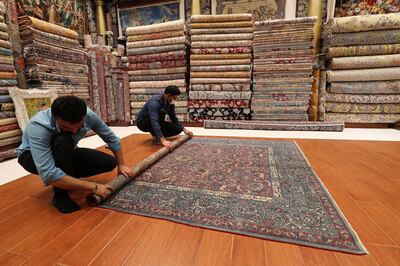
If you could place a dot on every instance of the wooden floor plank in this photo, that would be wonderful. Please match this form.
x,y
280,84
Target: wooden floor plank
x,y
12,259
24,230
158,237
96,240
63,243
32,244
283,254
20,218
121,246
248,251
18,191
215,249
313,256
351,260
14,208
183,246
384,219
385,255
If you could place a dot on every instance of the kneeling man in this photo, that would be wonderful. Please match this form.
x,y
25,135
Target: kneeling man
x,y
151,117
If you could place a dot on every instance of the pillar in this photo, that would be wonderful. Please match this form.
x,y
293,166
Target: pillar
x,y
314,9
195,7
100,17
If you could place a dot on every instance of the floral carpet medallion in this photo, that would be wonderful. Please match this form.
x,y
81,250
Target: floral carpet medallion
x,y
264,189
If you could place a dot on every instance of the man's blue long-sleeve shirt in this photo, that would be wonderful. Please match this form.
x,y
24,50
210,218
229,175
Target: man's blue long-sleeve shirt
x,y
42,128
151,110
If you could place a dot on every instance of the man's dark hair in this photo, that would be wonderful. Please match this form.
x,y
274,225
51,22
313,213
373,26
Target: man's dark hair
x,y
69,108
172,90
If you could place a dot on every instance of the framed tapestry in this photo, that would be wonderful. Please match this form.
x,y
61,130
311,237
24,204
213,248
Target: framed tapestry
x,y
261,9
28,102
150,14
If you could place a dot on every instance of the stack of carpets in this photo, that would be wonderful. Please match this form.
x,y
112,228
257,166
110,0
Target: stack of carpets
x,y
10,133
282,68
363,76
156,58
117,92
54,58
110,85
220,67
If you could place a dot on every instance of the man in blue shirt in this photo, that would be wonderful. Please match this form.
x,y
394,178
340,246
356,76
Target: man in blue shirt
x,y
49,149
151,117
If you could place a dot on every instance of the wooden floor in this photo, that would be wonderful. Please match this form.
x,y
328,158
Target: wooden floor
x,y
362,176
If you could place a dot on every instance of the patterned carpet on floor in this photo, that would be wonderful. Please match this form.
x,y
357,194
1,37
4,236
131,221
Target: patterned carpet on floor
x,y
264,189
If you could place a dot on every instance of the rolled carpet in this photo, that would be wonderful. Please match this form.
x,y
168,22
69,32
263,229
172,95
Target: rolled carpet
x,y
220,18
5,44
220,50
156,49
121,180
241,74
8,121
222,37
365,23
219,80
363,98
220,95
221,30
160,42
154,84
174,55
275,125
195,62
218,103
220,44
221,68
384,108
164,71
4,36
232,24
209,57
360,50
362,118
27,21
156,35
366,87
158,77
372,74
161,27
372,61
364,38
221,87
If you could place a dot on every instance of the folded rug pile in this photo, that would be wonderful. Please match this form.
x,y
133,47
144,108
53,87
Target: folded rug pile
x,y
282,68
363,69
54,58
156,58
10,133
220,67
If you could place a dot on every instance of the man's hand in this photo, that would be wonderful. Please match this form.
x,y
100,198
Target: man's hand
x,y
124,170
166,143
188,132
102,190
